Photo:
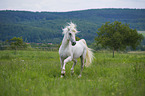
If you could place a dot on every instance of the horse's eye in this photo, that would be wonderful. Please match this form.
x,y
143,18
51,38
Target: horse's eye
x,y
70,34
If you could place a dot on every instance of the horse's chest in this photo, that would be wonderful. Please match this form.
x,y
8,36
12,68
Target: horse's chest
x,y
65,52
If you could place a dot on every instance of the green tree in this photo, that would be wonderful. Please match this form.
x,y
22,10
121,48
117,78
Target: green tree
x,y
118,36
77,38
17,43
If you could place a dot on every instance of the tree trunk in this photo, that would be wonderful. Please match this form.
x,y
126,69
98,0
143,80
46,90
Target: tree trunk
x,y
15,50
113,52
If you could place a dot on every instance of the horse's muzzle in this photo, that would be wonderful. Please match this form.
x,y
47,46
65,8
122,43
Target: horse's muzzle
x,y
73,43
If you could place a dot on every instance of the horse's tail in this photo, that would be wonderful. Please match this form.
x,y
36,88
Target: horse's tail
x,y
89,54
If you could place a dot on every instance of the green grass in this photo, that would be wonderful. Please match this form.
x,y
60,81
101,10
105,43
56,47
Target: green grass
x,y
37,73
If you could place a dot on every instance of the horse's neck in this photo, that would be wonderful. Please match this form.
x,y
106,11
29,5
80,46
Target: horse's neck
x,y
65,42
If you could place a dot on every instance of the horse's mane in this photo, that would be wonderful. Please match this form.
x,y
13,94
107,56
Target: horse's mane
x,y
71,26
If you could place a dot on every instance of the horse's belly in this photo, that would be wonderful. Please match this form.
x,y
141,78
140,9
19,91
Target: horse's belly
x,y
78,51
76,55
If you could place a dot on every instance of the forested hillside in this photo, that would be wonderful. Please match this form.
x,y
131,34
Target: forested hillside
x,y
47,26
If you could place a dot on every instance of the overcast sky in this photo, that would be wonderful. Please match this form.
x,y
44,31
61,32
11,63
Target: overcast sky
x,y
68,5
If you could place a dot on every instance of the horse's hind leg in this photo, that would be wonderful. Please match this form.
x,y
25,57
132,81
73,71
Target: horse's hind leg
x,y
72,69
82,65
61,61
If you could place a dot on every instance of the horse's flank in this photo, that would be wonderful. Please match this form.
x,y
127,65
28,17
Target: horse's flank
x,y
89,54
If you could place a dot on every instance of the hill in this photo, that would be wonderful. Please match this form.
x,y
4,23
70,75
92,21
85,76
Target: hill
x,y
46,26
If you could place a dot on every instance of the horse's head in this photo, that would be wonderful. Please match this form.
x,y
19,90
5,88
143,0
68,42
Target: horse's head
x,y
70,32
71,37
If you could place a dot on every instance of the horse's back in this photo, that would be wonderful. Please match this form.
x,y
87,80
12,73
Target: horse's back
x,y
81,44
79,49
83,40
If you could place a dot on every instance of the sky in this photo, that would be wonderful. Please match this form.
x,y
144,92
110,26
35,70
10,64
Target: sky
x,y
68,5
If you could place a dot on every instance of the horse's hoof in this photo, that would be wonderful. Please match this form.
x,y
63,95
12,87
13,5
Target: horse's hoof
x,y
62,75
63,72
79,76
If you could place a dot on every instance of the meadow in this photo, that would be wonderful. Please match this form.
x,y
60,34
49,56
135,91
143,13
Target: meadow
x,y
37,73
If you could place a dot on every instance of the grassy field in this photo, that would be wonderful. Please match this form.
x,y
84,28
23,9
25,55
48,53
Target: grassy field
x,y
37,73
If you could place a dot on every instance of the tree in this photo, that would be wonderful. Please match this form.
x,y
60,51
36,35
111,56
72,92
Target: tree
x,y
17,43
118,36
77,38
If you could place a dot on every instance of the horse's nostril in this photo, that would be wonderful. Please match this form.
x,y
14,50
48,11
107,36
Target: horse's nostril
x,y
73,43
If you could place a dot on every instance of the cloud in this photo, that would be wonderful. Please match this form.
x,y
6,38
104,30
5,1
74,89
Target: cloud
x,y
68,5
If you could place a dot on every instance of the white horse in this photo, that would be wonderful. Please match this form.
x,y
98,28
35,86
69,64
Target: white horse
x,y
71,49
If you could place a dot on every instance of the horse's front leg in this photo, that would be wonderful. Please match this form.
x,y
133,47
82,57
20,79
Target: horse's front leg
x,y
72,69
61,61
63,68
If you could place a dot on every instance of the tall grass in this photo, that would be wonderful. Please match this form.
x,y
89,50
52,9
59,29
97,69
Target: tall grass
x,y
37,73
